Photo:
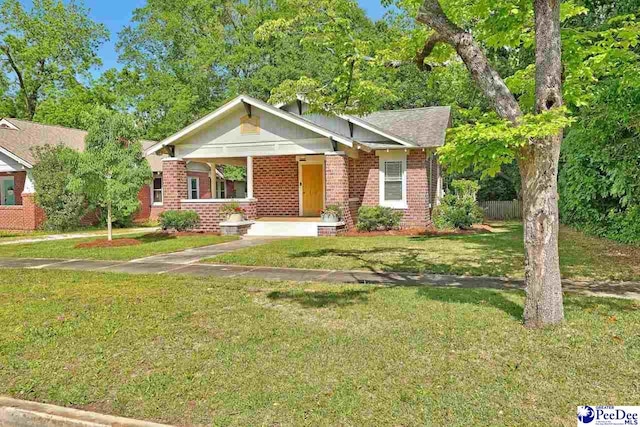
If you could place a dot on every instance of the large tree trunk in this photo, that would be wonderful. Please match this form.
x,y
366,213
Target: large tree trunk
x,y
538,161
539,172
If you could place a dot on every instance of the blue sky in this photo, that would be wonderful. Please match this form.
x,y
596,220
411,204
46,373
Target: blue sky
x,y
115,14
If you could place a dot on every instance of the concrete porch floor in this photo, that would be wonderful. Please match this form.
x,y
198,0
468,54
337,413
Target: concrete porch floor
x,y
289,219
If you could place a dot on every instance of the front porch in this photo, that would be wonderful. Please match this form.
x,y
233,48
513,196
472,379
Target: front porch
x,y
285,194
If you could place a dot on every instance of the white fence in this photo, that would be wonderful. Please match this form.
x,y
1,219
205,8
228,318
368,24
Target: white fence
x,y
497,209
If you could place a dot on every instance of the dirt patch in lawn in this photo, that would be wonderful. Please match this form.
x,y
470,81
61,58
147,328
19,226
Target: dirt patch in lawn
x,y
101,243
421,231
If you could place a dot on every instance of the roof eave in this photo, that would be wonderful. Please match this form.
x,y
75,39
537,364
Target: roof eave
x,y
256,103
18,159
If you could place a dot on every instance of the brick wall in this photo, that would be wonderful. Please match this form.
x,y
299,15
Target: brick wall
x,y
33,215
417,190
275,185
363,178
364,185
144,212
12,217
210,216
174,182
337,185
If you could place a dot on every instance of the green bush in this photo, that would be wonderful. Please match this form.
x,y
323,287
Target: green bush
x,y
179,220
460,208
372,218
52,175
599,181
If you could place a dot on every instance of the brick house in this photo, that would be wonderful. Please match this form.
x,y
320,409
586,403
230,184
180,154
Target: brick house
x,y
298,162
18,210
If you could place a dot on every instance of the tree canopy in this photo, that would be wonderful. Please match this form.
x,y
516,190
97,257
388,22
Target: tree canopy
x,y
44,50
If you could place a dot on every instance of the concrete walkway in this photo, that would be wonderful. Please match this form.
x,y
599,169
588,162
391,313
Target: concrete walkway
x,y
183,266
66,236
190,256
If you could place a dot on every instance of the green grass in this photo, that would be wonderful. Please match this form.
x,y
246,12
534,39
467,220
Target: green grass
x,y
200,351
497,253
151,244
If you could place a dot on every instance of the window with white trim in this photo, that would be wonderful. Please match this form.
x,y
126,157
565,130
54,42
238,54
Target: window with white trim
x,y
157,190
194,188
393,179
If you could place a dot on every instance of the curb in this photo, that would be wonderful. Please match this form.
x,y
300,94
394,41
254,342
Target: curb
x,y
22,413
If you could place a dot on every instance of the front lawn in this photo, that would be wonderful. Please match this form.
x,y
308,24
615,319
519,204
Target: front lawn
x,y
150,244
7,235
187,350
498,253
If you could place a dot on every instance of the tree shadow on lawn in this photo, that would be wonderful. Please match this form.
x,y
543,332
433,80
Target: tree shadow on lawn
x,y
323,299
502,260
482,297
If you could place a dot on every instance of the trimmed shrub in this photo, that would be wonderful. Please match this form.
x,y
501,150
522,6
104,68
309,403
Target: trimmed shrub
x,y
372,218
179,220
52,174
460,208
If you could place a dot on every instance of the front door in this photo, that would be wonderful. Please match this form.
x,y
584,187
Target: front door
x,y
312,189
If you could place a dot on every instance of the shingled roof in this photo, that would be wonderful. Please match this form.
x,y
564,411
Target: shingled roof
x,y
424,127
23,136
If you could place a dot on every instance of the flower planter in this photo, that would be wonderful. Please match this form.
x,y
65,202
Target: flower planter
x,y
329,218
236,217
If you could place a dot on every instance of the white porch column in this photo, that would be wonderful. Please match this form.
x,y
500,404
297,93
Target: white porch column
x,y
249,177
29,187
213,178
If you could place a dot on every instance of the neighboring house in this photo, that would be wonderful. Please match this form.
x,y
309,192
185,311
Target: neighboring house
x,y
298,163
17,208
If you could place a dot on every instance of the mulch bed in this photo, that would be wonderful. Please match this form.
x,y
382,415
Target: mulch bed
x,y
431,231
101,243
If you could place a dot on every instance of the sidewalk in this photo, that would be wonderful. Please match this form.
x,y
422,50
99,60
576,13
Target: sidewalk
x,y
629,290
193,255
79,235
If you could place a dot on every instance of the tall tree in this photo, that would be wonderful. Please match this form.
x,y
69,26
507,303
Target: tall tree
x,y
512,51
184,59
47,47
591,56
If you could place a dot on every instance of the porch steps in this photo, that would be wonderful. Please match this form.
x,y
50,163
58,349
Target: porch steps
x,y
282,228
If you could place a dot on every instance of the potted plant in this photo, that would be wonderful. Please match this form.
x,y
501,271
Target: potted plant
x,y
332,213
233,211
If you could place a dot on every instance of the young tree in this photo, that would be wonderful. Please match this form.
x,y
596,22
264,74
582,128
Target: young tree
x,y
53,175
46,47
112,168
